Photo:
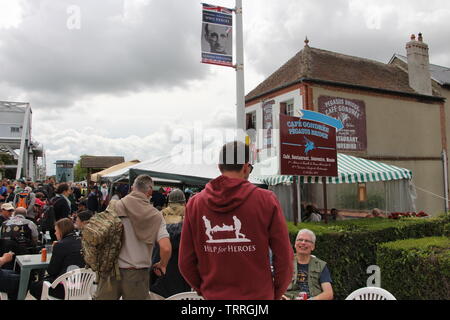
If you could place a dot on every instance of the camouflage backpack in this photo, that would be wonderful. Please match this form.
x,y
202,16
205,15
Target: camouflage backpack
x,y
102,240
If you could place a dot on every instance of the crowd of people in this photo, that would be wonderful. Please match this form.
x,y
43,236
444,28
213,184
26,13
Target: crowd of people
x,y
229,241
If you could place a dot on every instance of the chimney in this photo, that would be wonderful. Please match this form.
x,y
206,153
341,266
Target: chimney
x,y
419,65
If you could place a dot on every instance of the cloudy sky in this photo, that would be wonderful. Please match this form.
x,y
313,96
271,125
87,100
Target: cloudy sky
x,y
123,77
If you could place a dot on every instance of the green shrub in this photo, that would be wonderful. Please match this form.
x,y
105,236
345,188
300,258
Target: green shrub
x,y
447,230
349,247
417,269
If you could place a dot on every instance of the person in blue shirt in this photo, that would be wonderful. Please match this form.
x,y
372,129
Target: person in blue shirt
x,y
311,275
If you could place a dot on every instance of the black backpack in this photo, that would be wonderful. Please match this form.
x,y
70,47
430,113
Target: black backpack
x,y
48,220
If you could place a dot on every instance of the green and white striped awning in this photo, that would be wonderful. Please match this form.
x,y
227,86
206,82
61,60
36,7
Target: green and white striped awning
x,y
350,170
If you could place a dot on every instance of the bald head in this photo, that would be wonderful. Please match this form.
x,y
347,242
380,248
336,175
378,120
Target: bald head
x,y
21,211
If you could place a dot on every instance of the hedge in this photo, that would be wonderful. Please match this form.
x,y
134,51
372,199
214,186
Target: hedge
x,y
417,269
349,246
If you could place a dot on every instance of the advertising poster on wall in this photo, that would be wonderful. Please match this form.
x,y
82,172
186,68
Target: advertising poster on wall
x,y
352,113
217,35
267,123
307,148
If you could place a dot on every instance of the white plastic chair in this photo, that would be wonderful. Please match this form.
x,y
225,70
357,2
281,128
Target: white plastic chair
x,y
370,293
191,295
77,285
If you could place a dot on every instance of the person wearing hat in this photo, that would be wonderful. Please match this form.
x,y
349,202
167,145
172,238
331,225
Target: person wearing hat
x,y
7,211
173,282
174,213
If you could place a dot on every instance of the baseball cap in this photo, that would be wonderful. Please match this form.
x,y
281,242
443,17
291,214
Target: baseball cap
x,y
7,206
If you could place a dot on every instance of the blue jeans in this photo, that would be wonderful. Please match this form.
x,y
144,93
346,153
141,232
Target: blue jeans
x,y
9,283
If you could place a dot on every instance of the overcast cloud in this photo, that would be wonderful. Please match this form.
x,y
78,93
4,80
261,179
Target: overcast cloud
x,y
131,75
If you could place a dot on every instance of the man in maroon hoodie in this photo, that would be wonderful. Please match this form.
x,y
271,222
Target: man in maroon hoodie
x,y
228,230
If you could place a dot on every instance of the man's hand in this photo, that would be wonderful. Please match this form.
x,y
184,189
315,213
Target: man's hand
x,y
159,269
283,297
7,257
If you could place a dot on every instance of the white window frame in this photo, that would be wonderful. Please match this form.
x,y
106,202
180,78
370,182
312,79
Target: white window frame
x,y
290,108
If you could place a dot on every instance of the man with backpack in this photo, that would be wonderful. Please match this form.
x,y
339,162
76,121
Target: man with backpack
x,y
26,199
141,224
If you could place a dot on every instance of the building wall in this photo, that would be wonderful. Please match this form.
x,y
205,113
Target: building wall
x,y
10,119
400,127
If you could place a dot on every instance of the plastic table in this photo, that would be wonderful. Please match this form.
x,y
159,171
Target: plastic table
x,y
27,263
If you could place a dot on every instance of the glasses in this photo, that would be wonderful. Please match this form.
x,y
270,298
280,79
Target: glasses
x,y
304,240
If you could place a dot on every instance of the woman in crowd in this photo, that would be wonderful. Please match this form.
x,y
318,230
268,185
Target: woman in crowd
x,y
66,252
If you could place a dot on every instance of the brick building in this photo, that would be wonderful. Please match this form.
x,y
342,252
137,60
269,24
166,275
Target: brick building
x,y
395,112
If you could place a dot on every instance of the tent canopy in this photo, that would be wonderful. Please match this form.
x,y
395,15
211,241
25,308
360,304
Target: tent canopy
x,y
171,168
98,175
350,170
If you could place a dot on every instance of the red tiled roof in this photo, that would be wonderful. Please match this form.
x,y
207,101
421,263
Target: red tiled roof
x,y
325,65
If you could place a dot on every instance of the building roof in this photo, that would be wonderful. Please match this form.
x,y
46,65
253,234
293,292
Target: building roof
x,y
100,162
19,107
317,64
439,74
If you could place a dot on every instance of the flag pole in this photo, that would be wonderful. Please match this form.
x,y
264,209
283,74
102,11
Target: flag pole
x,y
240,86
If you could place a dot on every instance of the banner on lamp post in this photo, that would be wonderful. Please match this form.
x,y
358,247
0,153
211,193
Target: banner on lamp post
x,y
217,35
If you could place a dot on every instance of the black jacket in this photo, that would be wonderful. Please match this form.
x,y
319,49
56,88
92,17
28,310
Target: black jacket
x,y
66,252
61,208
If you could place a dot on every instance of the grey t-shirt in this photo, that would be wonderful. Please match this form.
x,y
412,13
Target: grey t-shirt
x,y
135,253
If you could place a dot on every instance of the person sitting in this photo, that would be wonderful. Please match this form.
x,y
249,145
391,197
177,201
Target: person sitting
x,y
9,280
66,252
312,214
311,275
376,213
335,215
21,230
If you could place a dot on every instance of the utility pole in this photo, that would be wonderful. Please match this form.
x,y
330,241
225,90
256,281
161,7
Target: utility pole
x,y
240,85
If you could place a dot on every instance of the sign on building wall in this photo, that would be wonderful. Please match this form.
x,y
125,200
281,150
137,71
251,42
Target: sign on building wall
x,y
267,109
352,114
307,148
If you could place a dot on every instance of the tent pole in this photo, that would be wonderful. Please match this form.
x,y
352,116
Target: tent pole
x,y
294,200
325,202
299,200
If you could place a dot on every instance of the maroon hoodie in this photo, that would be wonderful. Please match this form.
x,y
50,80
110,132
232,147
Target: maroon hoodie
x,y
225,240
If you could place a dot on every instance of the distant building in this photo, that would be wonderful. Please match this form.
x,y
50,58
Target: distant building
x,y
396,112
64,171
15,136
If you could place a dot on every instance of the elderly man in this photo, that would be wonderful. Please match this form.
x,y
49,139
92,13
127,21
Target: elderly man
x,y
311,275
6,213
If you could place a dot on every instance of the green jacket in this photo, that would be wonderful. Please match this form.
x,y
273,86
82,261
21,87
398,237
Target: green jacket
x,y
315,268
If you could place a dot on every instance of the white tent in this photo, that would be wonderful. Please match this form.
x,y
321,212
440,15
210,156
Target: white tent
x,y
171,169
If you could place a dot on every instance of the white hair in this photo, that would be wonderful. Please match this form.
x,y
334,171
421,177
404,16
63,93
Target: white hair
x,y
307,231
